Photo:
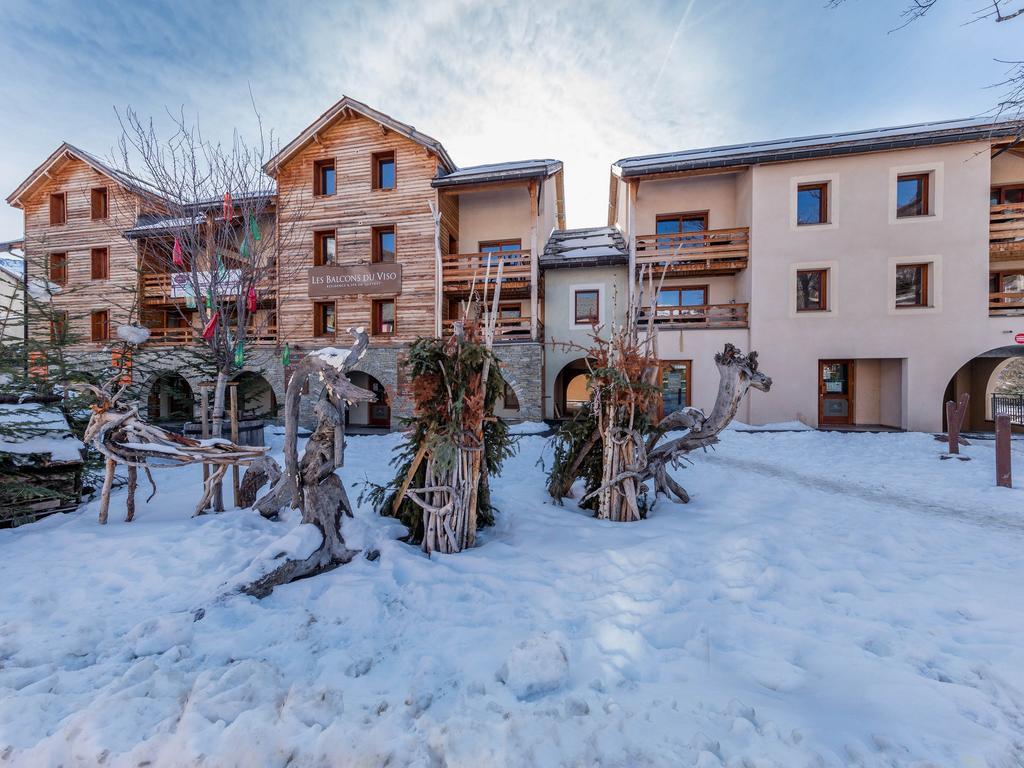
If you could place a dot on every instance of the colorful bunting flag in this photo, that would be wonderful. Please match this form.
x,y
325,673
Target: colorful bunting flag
x,y
240,354
178,258
211,326
209,300
286,355
229,209
254,227
190,301
245,249
251,299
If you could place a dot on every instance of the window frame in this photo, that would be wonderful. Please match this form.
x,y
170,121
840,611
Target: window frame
x,y
704,288
95,194
376,159
375,249
704,216
924,268
62,218
377,322
54,269
319,326
319,166
823,304
1000,191
823,210
318,250
104,316
662,366
93,252
926,203
586,321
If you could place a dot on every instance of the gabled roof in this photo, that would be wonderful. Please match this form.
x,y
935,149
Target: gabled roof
x,y
60,156
511,171
339,110
823,145
589,247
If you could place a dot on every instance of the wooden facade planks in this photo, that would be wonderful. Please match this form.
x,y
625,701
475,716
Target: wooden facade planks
x,y
77,237
352,212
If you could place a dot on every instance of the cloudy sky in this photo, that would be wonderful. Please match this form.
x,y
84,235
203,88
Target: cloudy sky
x,y
494,80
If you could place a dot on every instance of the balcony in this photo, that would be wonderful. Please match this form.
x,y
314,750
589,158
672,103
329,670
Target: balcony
x,y
698,316
160,288
184,335
711,252
1005,304
505,329
462,271
1006,232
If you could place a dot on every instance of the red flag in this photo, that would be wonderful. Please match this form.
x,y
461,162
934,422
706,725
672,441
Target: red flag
x,y
251,304
179,260
211,326
229,210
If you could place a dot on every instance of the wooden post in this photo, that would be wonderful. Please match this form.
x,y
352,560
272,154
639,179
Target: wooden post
x,y
204,420
955,413
1004,477
534,261
633,187
435,213
233,395
133,483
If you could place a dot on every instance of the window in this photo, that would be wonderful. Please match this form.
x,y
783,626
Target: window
x,y
58,209
58,326
683,296
510,311
811,290
384,317
324,251
812,204
586,309
323,177
100,263
510,401
510,250
98,199
100,324
911,285
680,224
323,318
59,268
383,244
384,170
912,195
1008,195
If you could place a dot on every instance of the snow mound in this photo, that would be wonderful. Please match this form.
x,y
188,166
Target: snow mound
x,y
778,426
537,666
133,334
528,428
156,636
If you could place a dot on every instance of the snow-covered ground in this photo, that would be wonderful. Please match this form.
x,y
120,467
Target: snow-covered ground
x,y
825,600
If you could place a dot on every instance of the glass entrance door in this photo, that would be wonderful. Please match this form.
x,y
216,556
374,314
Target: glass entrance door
x,y
675,386
835,391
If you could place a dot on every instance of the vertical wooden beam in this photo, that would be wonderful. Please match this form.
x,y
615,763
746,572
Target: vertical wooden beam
x,y
954,421
1004,477
534,260
233,394
204,420
435,212
634,187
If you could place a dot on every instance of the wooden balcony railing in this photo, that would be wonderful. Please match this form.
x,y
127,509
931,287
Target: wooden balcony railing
x,y
505,328
1006,303
1006,232
714,251
459,271
157,288
699,316
181,336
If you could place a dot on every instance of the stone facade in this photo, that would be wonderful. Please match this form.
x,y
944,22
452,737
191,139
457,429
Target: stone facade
x,y
522,367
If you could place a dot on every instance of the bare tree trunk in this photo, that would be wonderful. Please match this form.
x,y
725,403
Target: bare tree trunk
x,y
218,431
133,483
108,482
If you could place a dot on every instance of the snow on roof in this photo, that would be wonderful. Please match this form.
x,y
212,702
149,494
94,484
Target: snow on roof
x,y
852,142
589,247
519,169
32,429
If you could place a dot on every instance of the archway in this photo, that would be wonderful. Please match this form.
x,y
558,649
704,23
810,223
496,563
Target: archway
x,y
256,397
376,414
170,399
995,382
572,388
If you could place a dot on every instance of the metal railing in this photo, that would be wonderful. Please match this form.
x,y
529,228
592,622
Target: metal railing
x,y
1008,405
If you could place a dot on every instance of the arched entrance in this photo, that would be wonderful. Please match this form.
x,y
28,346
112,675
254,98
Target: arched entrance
x,y
256,398
572,388
995,382
170,399
376,414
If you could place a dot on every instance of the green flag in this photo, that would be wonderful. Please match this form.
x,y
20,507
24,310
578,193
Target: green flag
x,y
286,356
254,227
240,354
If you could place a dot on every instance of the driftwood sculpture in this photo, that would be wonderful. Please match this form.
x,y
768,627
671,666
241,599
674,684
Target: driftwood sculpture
x,y
612,444
124,437
309,483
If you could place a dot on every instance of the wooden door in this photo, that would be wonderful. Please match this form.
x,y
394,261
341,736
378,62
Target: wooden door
x,y
835,392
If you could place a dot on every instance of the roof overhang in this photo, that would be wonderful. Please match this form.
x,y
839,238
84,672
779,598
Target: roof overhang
x,y
491,176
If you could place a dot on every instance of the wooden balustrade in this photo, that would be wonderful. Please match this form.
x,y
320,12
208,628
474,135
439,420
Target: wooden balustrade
x,y
157,288
505,328
1006,303
713,251
459,271
184,335
699,316
1006,232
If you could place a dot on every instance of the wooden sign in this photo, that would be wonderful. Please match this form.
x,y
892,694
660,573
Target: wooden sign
x,y
363,278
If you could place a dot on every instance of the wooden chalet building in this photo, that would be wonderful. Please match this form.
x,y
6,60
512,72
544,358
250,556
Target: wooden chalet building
x,y
383,231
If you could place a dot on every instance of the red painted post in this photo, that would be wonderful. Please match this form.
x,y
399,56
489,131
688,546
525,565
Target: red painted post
x,y
1003,469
